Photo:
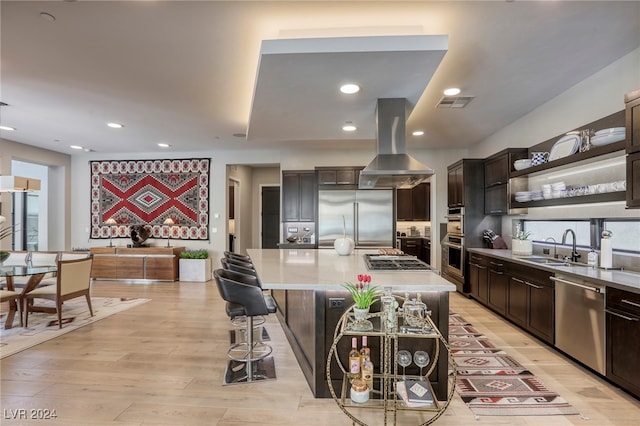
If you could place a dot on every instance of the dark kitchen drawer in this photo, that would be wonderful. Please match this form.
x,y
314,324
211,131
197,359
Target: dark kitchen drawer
x,y
624,301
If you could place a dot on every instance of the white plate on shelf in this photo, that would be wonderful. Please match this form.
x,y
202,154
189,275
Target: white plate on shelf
x,y
607,138
611,130
565,146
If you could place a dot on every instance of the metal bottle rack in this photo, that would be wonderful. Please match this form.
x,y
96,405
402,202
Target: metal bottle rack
x,y
384,397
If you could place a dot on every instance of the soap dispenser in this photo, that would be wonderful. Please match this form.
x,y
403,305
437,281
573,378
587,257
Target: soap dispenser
x,y
592,258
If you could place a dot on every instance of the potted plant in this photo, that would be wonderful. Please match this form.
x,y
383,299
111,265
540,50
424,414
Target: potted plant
x,y
195,265
521,245
363,294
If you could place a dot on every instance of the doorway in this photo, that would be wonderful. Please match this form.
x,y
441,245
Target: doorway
x,y
233,213
270,216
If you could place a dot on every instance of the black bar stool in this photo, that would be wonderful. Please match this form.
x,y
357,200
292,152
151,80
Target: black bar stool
x,y
244,296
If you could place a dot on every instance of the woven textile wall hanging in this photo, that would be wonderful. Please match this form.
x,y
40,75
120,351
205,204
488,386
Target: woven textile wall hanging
x,y
147,193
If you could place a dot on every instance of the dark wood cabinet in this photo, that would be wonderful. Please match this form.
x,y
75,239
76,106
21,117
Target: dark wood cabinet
x,y
338,175
632,120
411,246
497,171
498,283
478,277
426,251
531,301
298,196
455,185
632,124
623,339
414,204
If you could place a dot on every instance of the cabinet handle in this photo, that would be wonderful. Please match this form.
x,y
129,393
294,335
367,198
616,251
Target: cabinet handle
x,y
497,264
478,266
496,211
533,285
517,280
629,302
497,272
586,287
615,314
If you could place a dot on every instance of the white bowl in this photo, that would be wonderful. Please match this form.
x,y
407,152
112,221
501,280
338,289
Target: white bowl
x,y
522,164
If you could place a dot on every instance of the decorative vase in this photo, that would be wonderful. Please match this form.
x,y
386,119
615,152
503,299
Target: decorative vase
x,y
360,313
521,247
344,246
361,323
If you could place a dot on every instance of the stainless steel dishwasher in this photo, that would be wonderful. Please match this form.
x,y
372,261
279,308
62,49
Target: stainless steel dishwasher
x,y
580,320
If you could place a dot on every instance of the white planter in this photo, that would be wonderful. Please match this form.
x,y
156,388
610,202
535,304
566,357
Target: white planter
x,y
521,247
195,270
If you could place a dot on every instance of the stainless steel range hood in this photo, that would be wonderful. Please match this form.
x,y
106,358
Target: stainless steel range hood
x,y
393,167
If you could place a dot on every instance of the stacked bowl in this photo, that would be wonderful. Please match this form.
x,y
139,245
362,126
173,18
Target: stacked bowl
x,y
607,136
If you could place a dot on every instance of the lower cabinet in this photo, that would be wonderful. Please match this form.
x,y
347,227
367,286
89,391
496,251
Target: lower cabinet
x,y
524,295
139,263
478,278
411,246
498,283
623,339
531,301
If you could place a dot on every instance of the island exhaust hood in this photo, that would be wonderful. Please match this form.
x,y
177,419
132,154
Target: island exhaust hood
x,y
392,167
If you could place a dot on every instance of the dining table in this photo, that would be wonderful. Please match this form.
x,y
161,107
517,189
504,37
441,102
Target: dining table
x,y
35,274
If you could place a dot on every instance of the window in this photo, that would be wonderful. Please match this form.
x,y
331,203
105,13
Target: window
x,y
554,229
625,234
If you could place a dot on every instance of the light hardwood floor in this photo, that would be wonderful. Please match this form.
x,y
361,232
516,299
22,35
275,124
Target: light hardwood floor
x,y
162,363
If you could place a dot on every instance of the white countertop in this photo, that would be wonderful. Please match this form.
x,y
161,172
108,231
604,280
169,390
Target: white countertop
x,y
324,269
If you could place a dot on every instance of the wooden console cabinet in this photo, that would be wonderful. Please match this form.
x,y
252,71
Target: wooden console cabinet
x,y
136,263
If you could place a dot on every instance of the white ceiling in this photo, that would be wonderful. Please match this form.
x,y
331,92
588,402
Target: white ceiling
x,y
186,73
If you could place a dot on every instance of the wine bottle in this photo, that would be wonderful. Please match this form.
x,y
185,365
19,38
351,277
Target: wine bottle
x,y
365,351
367,372
354,359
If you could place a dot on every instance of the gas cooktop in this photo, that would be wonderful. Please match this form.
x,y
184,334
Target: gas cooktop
x,y
378,262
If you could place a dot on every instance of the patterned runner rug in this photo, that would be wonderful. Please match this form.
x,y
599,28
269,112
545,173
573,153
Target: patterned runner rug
x,y
44,326
493,383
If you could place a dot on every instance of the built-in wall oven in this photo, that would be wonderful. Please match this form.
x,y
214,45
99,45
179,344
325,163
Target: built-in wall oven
x,y
453,246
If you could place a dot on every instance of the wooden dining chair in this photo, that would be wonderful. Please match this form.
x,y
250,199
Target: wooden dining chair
x,y
11,297
73,280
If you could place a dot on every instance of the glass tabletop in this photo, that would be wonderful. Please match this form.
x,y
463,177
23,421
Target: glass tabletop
x,y
22,270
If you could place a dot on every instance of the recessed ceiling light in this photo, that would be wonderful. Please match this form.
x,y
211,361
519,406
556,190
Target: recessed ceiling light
x,y
418,133
350,88
349,127
452,91
163,145
75,147
11,129
115,125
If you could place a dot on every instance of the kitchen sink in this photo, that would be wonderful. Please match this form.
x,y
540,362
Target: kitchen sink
x,y
545,260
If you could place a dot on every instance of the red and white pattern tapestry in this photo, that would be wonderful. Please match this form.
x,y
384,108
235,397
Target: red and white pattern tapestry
x,y
147,193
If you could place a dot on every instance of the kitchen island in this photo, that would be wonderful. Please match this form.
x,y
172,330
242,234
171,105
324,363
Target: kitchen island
x,y
307,286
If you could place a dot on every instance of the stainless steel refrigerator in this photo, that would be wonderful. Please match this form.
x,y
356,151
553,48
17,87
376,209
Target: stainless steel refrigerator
x,y
368,217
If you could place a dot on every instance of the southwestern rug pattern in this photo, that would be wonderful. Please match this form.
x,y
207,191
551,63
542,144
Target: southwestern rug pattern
x,y
492,383
147,193
44,326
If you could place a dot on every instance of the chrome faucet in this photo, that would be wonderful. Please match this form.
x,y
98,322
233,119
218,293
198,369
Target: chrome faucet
x,y
574,253
555,243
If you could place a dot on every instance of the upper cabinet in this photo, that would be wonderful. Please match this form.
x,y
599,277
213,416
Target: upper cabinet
x,y
414,204
465,183
298,196
338,175
497,170
632,124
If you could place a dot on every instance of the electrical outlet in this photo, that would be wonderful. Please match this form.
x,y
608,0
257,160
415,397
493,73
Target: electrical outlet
x,y
336,302
546,251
